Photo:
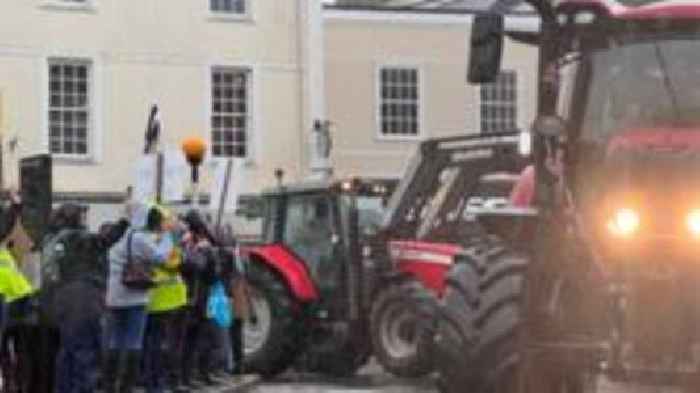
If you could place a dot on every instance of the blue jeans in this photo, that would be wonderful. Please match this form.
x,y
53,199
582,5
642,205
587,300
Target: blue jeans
x,y
162,351
126,327
77,362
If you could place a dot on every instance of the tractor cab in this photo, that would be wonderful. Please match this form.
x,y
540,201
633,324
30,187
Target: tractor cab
x,y
307,277
321,224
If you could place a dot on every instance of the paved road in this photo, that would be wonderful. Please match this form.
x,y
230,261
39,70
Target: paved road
x,y
370,379
373,380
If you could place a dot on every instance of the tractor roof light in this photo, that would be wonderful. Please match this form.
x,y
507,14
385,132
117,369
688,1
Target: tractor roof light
x,y
346,186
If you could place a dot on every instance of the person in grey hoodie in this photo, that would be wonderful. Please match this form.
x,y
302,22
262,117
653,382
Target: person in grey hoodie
x,y
154,244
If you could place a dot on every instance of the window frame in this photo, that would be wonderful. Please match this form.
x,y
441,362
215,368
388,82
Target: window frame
x,y
251,107
93,137
68,5
225,16
515,103
420,102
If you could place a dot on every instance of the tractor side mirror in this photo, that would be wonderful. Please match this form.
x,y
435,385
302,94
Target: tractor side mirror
x,y
550,136
486,48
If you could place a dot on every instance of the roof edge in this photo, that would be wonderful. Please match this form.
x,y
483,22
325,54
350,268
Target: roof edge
x,y
415,10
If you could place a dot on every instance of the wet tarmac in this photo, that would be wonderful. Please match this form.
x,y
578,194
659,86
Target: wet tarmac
x,y
369,380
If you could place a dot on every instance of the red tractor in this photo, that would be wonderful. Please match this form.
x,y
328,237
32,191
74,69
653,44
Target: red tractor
x,y
340,274
598,282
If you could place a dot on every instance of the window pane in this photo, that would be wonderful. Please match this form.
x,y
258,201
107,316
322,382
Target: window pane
x,y
398,106
230,96
499,104
69,90
228,6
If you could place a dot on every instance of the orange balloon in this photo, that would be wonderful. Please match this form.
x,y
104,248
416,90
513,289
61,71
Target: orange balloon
x,y
194,148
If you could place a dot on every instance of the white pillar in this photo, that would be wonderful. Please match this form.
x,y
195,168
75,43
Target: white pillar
x,y
314,82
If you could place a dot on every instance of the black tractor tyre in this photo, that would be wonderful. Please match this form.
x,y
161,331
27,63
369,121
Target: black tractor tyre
x,y
396,328
273,337
455,333
498,363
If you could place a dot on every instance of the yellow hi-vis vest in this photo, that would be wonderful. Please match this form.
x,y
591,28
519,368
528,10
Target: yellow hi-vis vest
x,y
13,284
170,292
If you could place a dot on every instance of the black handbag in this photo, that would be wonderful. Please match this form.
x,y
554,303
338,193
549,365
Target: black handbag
x,y
137,273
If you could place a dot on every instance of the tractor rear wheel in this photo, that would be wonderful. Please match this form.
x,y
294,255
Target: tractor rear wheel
x,y
395,329
272,338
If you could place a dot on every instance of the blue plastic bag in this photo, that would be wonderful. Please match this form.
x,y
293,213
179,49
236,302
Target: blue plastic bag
x,y
219,306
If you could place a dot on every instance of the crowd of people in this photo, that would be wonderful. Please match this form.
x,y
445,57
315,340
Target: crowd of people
x,y
137,303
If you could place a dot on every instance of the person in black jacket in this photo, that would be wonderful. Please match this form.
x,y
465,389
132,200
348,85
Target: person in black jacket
x,y
205,264
75,275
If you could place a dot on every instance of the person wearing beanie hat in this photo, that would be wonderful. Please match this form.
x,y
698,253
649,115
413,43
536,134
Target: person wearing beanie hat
x,y
73,286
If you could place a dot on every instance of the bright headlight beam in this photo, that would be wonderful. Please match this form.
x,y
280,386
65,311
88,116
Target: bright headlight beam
x,y
624,222
693,222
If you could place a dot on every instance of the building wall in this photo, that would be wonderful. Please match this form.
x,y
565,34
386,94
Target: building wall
x,y
140,56
359,42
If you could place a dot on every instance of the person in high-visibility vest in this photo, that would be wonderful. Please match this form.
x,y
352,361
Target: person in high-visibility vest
x,y
17,293
165,326
153,242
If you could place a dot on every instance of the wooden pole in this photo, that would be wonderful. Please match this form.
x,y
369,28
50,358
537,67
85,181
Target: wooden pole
x,y
159,177
224,194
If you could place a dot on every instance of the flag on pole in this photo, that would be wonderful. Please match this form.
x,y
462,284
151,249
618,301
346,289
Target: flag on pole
x,y
153,129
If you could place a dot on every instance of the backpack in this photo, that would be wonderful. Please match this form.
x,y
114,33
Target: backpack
x,y
65,256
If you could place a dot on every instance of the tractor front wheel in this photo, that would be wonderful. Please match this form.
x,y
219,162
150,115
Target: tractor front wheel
x,y
396,329
501,361
272,337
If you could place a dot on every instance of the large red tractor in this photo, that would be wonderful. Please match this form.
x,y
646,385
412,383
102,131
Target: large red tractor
x,y
602,280
341,273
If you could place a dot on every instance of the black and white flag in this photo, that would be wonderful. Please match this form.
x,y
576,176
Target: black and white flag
x,y
153,128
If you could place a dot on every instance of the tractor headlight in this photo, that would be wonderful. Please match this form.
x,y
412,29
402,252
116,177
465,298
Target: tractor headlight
x,y
693,222
625,222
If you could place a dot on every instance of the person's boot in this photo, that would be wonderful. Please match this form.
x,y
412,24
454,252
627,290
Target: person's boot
x,y
175,375
131,371
110,371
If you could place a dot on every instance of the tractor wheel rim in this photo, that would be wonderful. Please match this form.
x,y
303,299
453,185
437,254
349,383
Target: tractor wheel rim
x,y
398,332
256,332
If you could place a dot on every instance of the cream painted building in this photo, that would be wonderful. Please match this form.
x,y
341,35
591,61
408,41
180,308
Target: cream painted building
x,y
396,77
77,79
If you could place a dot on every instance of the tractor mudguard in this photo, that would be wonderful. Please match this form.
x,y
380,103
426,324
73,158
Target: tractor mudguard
x,y
427,262
279,259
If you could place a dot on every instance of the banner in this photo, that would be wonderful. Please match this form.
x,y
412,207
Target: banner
x,y
176,173
144,188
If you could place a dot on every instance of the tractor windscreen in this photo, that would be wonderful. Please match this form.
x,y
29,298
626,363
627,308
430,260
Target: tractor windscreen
x,y
653,84
370,210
